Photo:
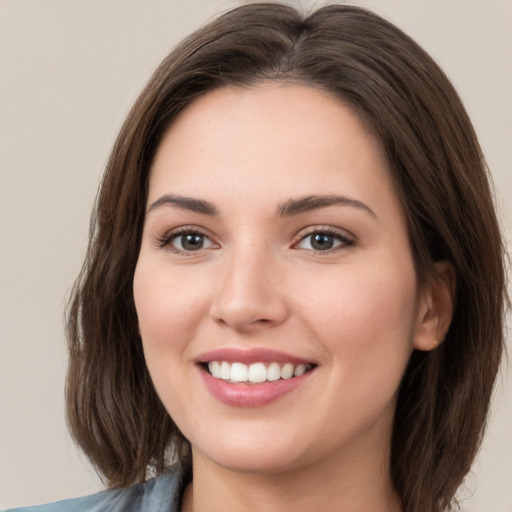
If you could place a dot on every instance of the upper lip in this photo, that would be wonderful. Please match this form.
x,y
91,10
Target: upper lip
x,y
249,356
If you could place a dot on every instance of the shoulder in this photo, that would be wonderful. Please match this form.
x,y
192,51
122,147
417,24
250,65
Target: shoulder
x,y
161,494
95,502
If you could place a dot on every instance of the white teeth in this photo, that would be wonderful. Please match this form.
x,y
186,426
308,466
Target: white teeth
x,y
256,372
225,370
299,370
273,372
287,371
239,372
214,368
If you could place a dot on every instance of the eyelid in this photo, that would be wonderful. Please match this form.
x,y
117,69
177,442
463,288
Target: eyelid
x,y
164,241
347,239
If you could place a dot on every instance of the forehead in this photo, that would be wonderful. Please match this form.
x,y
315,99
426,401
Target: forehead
x,y
269,139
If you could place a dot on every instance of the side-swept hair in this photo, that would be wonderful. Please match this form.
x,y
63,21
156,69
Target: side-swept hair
x,y
440,175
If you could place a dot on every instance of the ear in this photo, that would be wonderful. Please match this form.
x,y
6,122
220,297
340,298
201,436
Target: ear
x,y
436,307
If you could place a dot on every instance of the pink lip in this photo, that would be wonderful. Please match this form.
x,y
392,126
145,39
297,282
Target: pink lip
x,y
249,356
250,395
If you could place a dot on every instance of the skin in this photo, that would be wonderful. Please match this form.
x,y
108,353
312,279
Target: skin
x,y
355,310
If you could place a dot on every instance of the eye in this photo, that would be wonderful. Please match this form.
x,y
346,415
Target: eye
x,y
323,240
186,241
190,242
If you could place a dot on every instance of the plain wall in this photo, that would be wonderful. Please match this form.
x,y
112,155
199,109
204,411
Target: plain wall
x,y
69,71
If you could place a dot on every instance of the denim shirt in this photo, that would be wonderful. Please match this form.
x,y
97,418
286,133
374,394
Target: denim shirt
x,y
161,494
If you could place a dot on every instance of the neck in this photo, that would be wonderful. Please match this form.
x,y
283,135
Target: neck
x,y
356,484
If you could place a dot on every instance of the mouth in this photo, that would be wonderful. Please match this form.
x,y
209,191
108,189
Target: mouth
x,y
254,377
257,372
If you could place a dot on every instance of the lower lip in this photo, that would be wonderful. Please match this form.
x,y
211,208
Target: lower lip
x,y
250,395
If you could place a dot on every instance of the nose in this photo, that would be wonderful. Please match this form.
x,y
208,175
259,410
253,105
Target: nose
x,y
250,296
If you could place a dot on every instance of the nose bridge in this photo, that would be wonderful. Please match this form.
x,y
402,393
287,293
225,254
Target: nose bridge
x,y
248,293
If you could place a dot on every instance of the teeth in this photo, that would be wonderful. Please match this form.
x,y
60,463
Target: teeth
x,y
287,371
239,372
256,372
273,372
299,370
225,371
214,368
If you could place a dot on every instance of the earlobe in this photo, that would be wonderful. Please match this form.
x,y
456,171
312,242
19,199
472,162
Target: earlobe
x,y
436,308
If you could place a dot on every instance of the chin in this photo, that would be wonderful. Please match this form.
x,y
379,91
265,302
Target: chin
x,y
246,450
251,461
259,450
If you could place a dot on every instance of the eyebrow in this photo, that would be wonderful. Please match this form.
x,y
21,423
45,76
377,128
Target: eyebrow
x,y
185,203
308,203
288,208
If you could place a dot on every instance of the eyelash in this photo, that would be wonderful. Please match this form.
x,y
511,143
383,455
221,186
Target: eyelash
x,y
344,240
165,241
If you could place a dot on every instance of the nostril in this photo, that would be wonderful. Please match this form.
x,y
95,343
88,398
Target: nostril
x,y
247,308
244,325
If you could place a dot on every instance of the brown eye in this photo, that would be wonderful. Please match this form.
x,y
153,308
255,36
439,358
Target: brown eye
x,y
190,241
322,241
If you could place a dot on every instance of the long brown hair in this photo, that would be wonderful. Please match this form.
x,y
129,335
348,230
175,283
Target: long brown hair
x,y
441,178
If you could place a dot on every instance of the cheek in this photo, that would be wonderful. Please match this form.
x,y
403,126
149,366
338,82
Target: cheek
x,y
169,311
366,328
366,319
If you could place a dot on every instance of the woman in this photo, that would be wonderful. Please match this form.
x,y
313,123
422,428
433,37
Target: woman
x,y
294,289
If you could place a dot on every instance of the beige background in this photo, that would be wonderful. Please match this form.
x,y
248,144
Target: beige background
x,y
69,70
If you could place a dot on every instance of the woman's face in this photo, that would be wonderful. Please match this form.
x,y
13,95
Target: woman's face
x,y
274,243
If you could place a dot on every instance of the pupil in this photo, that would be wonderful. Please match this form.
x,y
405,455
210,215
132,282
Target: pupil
x,y
322,242
192,242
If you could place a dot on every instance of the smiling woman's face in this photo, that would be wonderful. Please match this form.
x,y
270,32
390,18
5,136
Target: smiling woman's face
x,y
275,243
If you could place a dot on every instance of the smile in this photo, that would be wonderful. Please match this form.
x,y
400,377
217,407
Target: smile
x,y
254,377
257,372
